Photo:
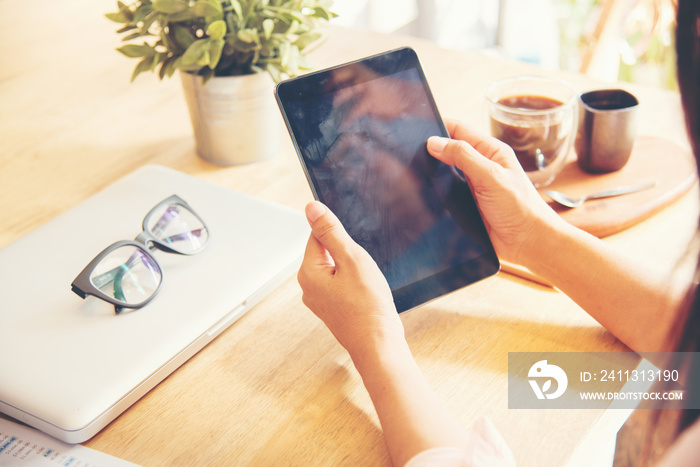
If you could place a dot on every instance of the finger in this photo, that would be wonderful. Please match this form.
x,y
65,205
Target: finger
x,y
459,130
316,255
329,232
451,124
487,145
463,156
316,261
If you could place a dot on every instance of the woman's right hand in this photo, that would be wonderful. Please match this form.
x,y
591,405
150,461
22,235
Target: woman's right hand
x,y
514,213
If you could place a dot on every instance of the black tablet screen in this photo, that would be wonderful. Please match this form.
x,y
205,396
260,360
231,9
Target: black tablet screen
x,y
360,130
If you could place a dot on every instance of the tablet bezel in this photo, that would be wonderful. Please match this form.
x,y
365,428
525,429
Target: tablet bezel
x,y
439,283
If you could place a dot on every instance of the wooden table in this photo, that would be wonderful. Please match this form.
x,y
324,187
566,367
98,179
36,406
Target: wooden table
x,y
275,388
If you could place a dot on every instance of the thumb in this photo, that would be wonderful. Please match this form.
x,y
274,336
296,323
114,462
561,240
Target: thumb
x,y
462,155
329,232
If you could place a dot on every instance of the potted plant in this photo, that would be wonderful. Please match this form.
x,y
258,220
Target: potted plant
x,y
226,51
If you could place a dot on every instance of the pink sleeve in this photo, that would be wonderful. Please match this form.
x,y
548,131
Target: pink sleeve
x,y
684,451
486,447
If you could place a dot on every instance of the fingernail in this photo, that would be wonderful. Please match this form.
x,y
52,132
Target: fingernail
x,y
437,143
314,210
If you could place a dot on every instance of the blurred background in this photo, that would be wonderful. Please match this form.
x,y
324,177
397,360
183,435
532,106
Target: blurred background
x,y
610,40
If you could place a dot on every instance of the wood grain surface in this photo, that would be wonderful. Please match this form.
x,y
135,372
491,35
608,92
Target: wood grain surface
x,y
653,160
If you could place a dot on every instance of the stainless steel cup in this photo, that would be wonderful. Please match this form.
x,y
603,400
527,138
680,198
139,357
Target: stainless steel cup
x,y
606,131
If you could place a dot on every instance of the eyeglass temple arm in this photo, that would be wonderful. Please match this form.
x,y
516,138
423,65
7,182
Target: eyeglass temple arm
x,y
78,292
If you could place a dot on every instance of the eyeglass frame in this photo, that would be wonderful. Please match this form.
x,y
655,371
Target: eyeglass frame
x,y
145,242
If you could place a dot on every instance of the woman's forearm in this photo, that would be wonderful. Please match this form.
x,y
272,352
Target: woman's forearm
x,y
413,419
636,304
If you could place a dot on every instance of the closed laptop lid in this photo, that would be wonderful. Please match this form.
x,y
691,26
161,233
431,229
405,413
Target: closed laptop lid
x,y
69,365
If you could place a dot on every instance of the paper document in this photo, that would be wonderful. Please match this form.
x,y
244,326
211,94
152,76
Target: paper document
x,y
24,446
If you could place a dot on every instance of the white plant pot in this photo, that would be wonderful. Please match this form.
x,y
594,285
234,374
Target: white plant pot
x,y
235,118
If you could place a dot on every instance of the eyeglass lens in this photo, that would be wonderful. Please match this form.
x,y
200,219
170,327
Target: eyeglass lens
x,y
127,274
179,228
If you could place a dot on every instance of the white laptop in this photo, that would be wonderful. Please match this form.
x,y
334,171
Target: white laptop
x,y
69,366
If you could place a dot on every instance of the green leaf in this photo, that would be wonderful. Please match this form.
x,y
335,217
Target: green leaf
x,y
229,18
215,49
133,50
292,65
206,75
249,35
157,59
268,25
285,51
303,63
196,52
190,68
204,59
235,4
216,30
275,72
166,66
143,65
171,66
293,15
141,13
169,6
149,20
125,11
134,35
117,17
322,13
177,64
306,39
206,8
183,36
126,28
186,15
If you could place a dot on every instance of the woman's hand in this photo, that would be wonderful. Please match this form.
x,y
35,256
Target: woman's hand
x,y
344,287
526,231
512,209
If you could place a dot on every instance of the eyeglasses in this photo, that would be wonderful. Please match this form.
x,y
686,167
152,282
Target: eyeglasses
x,y
125,273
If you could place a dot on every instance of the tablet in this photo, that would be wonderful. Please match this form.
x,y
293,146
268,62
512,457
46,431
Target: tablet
x,y
360,130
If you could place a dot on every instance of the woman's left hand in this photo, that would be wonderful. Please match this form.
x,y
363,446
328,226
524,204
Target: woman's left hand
x,y
344,287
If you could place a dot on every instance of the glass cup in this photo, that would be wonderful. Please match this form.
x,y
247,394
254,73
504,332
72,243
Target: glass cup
x,y
537,117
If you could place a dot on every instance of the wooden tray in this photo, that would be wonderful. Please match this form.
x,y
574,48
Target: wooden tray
x,y
653,159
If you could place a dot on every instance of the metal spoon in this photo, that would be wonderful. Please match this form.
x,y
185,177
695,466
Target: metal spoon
x,y
574,203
